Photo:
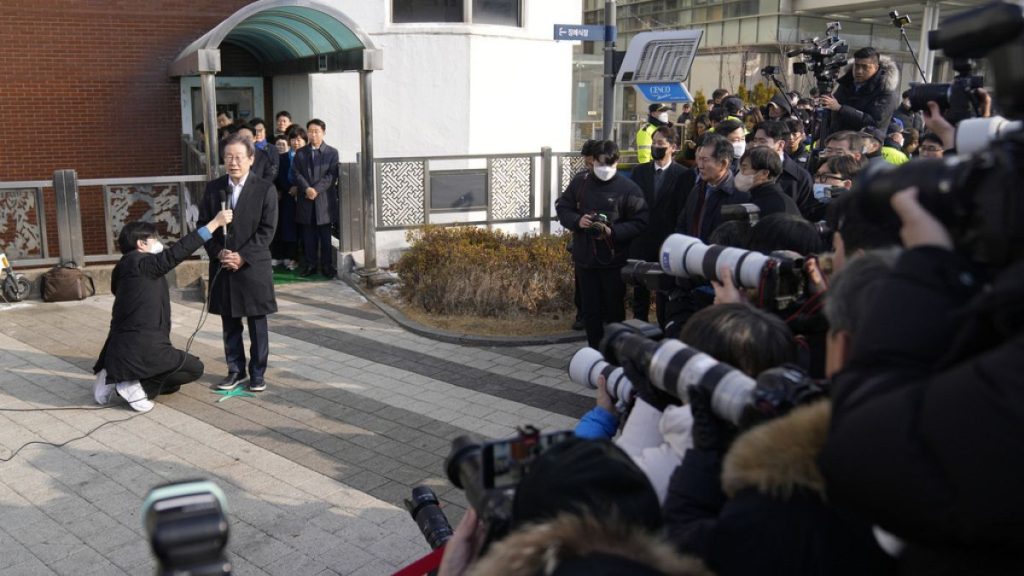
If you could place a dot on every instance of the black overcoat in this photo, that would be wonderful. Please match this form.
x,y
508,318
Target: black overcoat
x,y
138,345
249,291
663,208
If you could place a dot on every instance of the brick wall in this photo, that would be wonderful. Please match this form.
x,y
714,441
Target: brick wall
x,y
84,85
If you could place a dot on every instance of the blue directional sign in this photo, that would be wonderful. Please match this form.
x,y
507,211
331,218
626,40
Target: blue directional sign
x,y
665,92
594,33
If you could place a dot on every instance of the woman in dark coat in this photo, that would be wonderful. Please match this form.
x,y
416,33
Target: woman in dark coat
x,y
138,359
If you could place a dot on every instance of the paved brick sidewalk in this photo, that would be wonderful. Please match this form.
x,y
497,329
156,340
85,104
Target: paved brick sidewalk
x,y
357,412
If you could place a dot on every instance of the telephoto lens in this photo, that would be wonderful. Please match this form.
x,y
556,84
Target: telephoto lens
x,y
687,257
588,364
425,509
673,367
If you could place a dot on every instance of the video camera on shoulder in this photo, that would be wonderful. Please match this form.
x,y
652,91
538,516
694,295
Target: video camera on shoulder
x,y
187,527
822,57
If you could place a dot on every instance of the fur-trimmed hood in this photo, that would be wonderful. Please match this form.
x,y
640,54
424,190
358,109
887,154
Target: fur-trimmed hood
x,y
540,549
779,456
888,75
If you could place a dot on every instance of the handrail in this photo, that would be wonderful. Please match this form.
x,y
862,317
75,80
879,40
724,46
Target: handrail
x,y
142,180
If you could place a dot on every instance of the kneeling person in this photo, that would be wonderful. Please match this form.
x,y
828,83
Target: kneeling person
x,y
138,360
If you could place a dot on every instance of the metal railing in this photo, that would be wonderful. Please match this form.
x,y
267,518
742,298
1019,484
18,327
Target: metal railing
x,y
471,190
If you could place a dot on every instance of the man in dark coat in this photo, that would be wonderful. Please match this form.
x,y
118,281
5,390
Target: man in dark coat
x,y
138,360
245,285
266,163
605,213
795,180
760,167
315,173
866,95
665,185
702,211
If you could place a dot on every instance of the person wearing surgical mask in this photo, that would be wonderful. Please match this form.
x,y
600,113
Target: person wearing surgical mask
x,y
137,361
736,134
657,116
760,167
605,213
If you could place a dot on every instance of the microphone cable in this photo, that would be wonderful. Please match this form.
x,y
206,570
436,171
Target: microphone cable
x,y
202,320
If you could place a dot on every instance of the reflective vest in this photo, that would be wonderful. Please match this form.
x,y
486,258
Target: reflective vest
x,y
644,140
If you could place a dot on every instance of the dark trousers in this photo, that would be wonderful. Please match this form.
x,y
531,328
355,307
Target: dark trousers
x,y
601,294
318,236
642,305
576,295
169,382
259,345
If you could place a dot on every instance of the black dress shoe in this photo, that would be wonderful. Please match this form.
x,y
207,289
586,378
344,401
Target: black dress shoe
x,y
232,380
257,385
331,273
309,271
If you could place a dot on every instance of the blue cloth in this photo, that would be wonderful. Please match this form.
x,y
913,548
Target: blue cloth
x,y
205,234
597,424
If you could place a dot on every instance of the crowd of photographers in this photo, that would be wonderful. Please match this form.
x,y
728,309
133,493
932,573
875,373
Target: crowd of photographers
x,y
832,381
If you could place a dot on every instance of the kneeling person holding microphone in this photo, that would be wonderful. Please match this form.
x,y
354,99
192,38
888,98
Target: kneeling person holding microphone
x,y
138,360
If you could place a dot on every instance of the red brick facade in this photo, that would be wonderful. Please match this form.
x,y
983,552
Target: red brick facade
x,y
84,85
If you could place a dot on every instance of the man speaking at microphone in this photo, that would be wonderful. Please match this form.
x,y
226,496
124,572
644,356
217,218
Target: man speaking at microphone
x,y
245,285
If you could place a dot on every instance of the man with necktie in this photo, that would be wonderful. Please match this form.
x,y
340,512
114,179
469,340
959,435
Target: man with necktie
x,y
315,174
665,184
241,275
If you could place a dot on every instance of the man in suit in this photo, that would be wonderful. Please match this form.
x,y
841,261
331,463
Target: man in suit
x,y
665,185
241,276
795,181
315,173
702,210
266,162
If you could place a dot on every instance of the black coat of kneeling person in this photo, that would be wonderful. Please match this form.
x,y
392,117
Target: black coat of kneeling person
x,y
583,508
138,360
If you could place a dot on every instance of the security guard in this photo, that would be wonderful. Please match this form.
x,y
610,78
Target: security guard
x,y
657,116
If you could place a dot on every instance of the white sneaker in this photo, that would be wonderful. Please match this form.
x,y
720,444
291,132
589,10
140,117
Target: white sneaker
x,y
275,262
291,264
102,391
132,392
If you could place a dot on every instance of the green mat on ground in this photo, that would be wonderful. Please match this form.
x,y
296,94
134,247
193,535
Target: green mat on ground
x,y
285,276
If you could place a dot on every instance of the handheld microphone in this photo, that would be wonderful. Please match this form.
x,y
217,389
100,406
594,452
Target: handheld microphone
x,y
224,206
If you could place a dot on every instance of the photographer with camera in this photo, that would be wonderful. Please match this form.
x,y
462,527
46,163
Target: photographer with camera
x,y
866,93
605,213
582,507
750,499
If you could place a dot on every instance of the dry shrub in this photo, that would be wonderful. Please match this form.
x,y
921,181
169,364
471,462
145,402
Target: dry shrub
x,y
468,270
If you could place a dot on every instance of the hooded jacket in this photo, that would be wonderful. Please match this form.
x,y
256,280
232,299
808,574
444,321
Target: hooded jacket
x,y
872,104
572,544
775,518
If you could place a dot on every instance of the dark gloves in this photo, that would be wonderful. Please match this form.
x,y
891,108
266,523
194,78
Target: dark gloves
x,y
647,391
778,391
710,433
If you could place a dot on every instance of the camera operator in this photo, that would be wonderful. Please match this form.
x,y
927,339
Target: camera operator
x,y
665,185
928,411
866,95
756,504
795,180
605,213
583,507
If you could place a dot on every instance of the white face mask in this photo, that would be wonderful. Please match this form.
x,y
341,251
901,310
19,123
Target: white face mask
x,y
156,247
743,182
821,192
738,148
663,117
604,173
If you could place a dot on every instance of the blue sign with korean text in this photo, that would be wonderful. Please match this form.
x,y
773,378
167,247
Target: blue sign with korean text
x,y
665,92
588,33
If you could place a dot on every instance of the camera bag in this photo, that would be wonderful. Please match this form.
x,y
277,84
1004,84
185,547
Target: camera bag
x,y
66,282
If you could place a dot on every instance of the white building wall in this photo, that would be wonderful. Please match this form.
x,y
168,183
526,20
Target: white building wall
x,y
451,89
291,93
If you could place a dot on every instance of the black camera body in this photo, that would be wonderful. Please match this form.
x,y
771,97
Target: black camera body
x,y
188,528
823,57
770,71
975,196
898,20
958,99
598,218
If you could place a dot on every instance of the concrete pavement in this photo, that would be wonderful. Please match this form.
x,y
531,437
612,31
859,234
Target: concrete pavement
x,y
357,412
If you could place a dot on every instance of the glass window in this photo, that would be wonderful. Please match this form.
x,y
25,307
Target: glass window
x,y
714,34
748,31
404,11
502,12
731,32
684,17
789,31
767,29
714,13
700,15
768,6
